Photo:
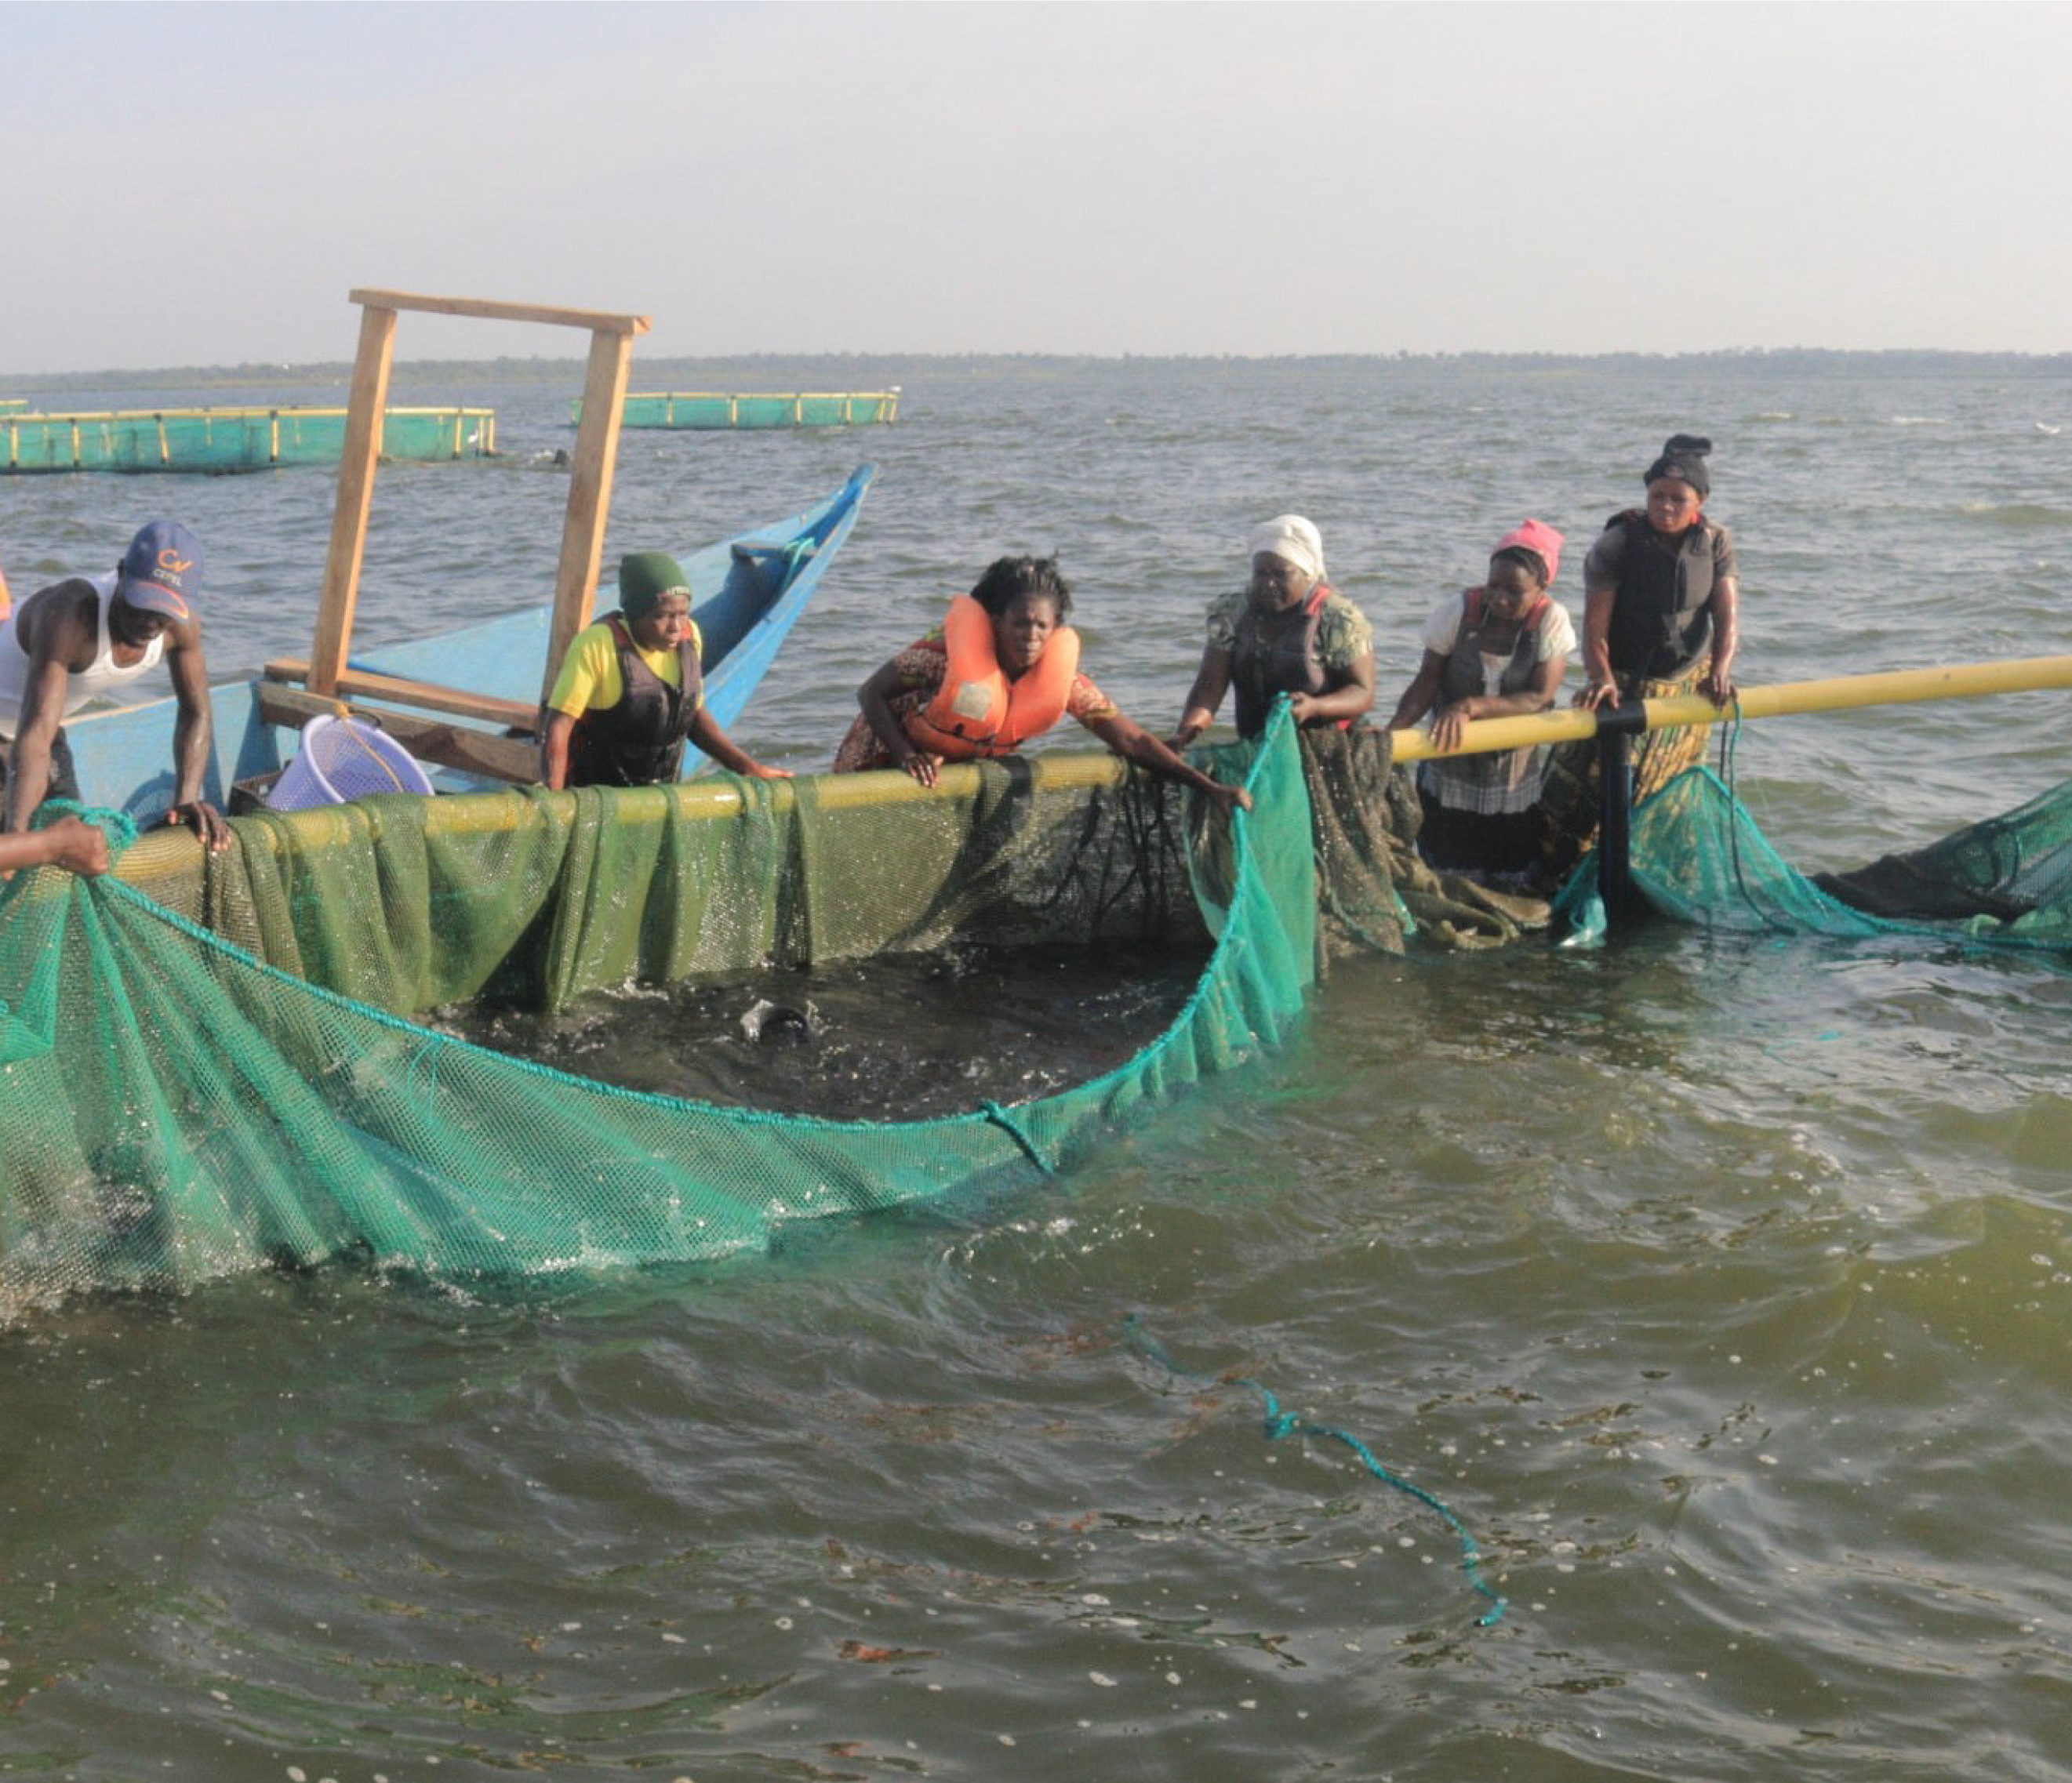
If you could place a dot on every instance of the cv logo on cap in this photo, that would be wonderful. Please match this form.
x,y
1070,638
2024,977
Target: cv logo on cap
x,y
162,569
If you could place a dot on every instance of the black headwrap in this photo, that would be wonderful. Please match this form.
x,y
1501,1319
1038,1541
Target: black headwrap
x,y
1683,457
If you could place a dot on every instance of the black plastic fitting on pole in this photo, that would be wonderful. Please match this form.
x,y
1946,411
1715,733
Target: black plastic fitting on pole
x,y
1615,726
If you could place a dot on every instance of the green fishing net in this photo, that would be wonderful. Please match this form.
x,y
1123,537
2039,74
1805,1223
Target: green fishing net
x,y
225,1072
1697,856
215,1062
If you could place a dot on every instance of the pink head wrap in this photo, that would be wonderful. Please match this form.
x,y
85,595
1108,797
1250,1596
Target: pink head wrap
x,y
1535,536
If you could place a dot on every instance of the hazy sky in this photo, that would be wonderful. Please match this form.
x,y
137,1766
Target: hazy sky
x,y
202,184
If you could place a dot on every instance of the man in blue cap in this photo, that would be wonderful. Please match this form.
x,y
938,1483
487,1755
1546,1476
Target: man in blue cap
x,y
75,640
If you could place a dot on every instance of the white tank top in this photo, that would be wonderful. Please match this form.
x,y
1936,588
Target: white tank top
x,y
103,673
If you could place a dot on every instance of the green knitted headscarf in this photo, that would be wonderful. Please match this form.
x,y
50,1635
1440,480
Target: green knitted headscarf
x,y
645,578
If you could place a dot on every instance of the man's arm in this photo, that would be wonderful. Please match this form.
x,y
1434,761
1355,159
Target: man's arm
x,y
55,632
76,847
193,732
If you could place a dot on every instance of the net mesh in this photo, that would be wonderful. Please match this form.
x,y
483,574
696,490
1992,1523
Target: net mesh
x,y
1374,890
230,439
225,1074
1698,856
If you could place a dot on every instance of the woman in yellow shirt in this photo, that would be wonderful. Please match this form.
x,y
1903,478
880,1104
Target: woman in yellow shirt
x,y
630,691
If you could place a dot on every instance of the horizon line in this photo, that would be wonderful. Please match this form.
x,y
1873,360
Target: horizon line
x,y
329,367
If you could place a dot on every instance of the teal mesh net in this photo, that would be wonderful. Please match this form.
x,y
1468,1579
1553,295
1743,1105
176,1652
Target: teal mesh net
x,y
1696,855
226,1075
230,438
231,1072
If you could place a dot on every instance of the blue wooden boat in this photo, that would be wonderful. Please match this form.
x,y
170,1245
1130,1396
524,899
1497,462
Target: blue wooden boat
x,y
747,592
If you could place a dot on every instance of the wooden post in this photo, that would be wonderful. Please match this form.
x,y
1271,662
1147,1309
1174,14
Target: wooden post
x,y
590,496
358,456
590,486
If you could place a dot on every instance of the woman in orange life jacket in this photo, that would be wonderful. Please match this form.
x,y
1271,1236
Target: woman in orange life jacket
x,y
1001,669
1290,631
630,690
1496,651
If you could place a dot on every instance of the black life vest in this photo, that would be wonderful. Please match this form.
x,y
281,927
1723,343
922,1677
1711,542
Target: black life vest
x,y
1662,617
1285,663
639,741
1464,678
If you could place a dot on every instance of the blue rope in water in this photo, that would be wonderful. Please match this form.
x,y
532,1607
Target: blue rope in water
x,y
1730,734
1279,1423
1014,1128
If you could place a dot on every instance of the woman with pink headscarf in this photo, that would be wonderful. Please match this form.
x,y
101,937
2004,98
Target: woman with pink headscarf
x,y
1495,651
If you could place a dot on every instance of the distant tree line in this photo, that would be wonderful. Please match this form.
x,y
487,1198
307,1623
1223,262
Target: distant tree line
x,y
865,370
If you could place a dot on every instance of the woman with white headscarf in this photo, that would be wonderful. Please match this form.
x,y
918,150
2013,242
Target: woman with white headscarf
x,y
1288,632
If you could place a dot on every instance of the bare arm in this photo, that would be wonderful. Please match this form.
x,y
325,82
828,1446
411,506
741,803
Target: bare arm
x,y
29,761
192,733
58,635
1134,743
706,734
1718,685
1537,695
1350,699
76,847
1212,682
554,751
1600,687
875,697
1423,692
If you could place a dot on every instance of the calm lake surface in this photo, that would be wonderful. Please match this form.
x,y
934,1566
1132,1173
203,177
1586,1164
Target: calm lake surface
x,y
1722,1286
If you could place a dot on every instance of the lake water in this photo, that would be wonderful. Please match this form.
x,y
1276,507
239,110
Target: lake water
x,y
1722,1286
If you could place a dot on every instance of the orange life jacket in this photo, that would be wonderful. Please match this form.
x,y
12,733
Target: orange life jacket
x,y
977,710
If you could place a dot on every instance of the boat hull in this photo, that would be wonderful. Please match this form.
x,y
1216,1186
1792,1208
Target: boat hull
x,y
747,592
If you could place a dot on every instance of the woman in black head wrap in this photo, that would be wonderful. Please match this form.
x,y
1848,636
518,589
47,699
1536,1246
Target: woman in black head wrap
x,y
1659,617
1659,585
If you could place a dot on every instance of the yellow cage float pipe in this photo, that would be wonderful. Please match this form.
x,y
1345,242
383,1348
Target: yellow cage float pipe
x,y
1837,693
164,854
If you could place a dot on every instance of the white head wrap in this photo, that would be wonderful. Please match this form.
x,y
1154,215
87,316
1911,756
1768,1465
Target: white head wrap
x,y
1290,536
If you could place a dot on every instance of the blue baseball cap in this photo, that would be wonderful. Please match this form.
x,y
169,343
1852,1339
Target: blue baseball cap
x,y
162,569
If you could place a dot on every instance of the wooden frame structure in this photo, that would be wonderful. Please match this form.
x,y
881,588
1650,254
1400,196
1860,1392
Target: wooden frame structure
x,y
328,684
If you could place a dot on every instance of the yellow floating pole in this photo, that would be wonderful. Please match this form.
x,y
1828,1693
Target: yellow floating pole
x,y
1838,693
166,854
